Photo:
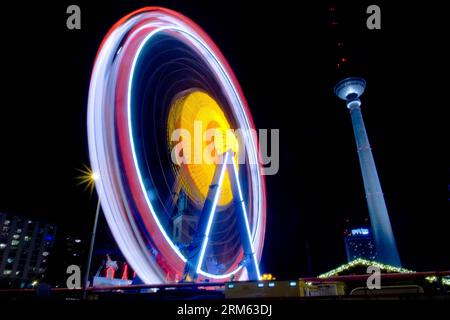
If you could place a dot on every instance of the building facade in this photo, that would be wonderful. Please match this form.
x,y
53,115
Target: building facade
x,y
184,222
68,250
25,247
359,244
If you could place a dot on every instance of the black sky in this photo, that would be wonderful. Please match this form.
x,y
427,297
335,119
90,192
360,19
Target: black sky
x,y
285,59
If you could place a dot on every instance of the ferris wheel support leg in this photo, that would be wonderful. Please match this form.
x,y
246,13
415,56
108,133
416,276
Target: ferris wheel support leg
x,y
200,241
201,236
250,260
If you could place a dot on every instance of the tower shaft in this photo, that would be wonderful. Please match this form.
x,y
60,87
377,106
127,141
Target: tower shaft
x,y
349,90
379,218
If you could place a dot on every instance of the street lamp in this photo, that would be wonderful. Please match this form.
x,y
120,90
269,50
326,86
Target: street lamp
x,y
88,178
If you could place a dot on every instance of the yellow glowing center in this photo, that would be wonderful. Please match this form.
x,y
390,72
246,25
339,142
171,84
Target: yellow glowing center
x,y
205,135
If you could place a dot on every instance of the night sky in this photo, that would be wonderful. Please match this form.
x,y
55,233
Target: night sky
x,y
285,59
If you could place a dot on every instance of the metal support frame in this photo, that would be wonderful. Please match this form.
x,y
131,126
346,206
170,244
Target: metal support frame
x,y
201,237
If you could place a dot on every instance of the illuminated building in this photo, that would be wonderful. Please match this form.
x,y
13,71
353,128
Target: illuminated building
x,y
25,247
350,90
70,250
67,250
359,244
74,250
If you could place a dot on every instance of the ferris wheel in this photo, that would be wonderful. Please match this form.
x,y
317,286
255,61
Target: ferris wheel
x,y
158,79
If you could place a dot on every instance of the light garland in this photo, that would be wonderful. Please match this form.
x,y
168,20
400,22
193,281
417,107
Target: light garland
x,y
432,279
446,281
363,262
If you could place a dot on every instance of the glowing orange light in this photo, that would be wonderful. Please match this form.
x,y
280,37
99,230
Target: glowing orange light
x,y
196,112
87,178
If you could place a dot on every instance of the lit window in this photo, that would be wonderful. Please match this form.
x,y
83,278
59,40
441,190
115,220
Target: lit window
x,y
2,245
231,286
45,253
271,284
10,260
16,236
27,238
19,230
7,272
7,222
15,242
260,285
292,283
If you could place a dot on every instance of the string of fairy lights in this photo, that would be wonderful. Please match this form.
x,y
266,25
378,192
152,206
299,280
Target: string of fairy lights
x,y
365,263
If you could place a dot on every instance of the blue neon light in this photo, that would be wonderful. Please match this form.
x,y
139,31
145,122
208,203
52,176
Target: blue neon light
x,y
244,212
211,214
360,231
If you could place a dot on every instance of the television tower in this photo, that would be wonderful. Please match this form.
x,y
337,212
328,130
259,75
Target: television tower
x,y
350,89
